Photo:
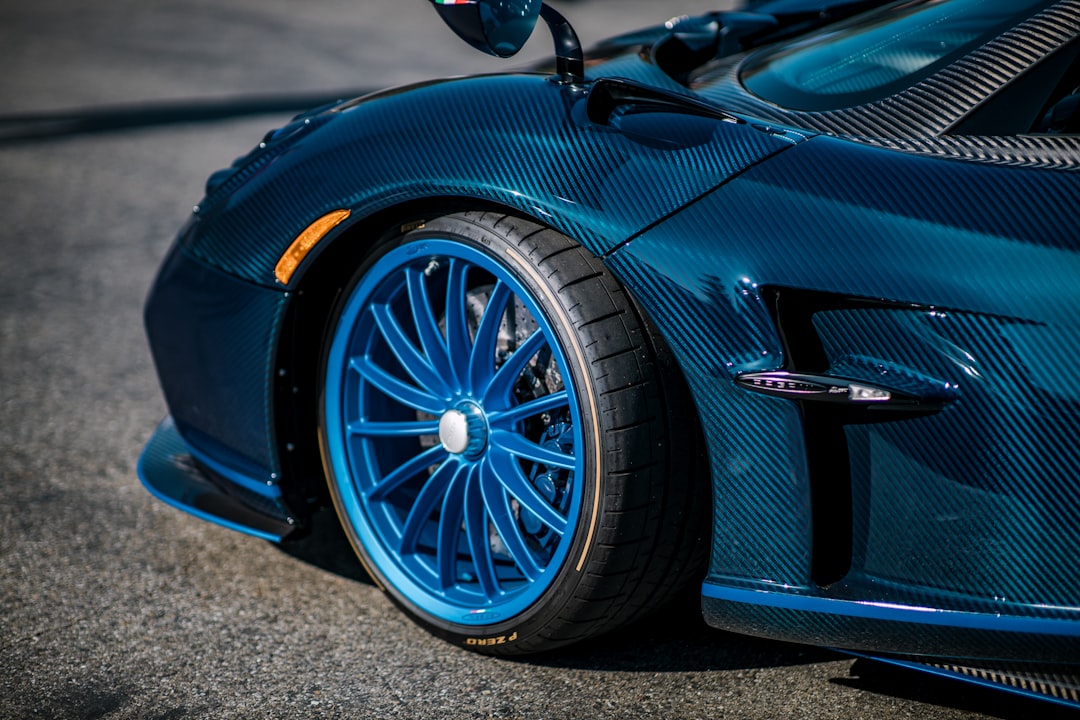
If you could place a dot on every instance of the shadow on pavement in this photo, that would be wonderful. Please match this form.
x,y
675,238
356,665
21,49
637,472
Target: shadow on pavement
x,y
326,547
676,639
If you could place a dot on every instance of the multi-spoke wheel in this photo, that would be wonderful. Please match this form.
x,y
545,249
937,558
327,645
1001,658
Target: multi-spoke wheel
x,y
481,379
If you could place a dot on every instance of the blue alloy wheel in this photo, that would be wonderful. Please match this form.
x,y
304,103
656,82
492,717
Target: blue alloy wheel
x,y
464,420
453,417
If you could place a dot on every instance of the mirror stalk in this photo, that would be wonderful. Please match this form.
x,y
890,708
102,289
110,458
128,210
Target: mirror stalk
x,y
569,59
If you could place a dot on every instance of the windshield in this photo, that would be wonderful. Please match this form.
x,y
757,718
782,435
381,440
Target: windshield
x,y
880,53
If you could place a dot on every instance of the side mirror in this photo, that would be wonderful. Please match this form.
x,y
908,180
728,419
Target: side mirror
x,y
497,27
501,28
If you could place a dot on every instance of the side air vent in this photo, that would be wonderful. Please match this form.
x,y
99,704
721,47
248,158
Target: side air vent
x,y
833,392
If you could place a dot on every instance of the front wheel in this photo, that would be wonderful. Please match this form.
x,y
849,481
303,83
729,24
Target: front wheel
x,y
495,428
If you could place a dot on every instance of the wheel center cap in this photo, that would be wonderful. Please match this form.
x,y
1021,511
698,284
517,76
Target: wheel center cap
x,y
462,430
454,431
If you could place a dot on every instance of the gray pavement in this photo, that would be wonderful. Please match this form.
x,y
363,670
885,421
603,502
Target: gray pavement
x,y
113,605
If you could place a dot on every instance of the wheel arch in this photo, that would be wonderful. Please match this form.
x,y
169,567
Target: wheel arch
x,y
300,345
314,290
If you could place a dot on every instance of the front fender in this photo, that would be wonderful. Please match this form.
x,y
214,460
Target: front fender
x,y
520,141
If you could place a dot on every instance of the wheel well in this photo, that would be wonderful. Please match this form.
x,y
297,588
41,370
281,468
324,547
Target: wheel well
x,y
299,352
303,336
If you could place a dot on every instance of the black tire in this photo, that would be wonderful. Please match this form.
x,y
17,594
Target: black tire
x,y
630,492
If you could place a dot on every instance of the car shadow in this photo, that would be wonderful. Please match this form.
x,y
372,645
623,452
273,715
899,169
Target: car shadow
x,y
676,639
325,546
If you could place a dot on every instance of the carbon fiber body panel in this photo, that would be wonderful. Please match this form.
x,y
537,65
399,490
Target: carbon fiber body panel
x,y
974,509
1042,682
539,155
1045,682
212,338
171,472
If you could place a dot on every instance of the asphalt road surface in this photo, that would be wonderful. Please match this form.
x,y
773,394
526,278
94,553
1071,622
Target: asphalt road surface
x,y
113,605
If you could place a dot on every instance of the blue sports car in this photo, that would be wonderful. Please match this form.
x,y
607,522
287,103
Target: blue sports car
x,y
782,303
